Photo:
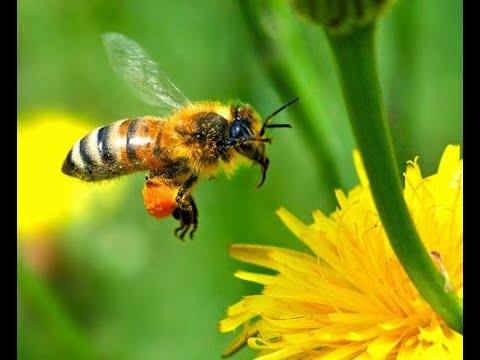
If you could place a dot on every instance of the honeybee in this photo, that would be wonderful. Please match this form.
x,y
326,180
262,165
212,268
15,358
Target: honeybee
x,y
195,139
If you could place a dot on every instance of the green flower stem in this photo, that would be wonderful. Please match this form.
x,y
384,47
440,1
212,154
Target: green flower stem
x,y
355,56
70,339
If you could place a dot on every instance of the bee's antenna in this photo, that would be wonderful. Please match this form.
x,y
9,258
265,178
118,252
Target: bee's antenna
x,y
267,125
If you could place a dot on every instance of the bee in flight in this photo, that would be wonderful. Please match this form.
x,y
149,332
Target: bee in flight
x,y
194,140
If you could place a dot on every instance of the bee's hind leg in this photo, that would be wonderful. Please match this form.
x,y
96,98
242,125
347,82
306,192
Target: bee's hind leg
x,y
186,211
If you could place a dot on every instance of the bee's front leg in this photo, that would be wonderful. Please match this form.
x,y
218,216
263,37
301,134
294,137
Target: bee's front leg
x,y
186,210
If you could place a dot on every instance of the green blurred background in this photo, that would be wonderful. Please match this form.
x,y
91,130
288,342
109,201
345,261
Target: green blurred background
x,y
123,286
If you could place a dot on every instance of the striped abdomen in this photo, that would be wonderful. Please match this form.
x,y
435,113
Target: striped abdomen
x,y
117,149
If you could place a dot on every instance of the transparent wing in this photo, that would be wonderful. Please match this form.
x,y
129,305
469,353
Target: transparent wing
x,y
134,65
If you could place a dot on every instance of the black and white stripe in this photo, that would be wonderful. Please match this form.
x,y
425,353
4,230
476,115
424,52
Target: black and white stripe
x,y
96,156
132,140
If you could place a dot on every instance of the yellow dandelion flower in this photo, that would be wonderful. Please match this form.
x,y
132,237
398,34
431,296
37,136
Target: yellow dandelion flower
x,y
46,197
351,298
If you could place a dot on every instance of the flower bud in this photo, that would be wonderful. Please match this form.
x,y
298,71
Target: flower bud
x,y
342,17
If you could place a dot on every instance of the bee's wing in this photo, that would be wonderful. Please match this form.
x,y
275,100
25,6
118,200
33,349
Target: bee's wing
x,y
141,72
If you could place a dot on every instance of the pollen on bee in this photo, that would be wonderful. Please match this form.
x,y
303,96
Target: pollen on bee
x,y
159,198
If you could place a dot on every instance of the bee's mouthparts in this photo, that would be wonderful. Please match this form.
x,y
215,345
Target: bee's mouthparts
x,y
264,164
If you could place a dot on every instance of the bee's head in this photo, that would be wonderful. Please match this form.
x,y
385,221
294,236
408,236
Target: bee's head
x,y
247,134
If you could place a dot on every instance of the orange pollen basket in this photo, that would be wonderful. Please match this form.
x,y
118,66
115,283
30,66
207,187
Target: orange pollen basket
x,y
159,198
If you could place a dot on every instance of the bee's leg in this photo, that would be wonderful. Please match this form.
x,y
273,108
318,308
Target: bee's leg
x,y
186,210
179,215
194,218
188,216
183,198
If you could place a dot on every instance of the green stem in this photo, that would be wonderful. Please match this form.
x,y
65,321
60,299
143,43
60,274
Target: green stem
x,y
68,336
356,63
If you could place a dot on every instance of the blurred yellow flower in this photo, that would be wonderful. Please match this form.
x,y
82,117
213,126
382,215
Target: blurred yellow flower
x,y
352,298
46,198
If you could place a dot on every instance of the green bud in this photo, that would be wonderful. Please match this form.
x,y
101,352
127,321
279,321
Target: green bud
x,y
342,16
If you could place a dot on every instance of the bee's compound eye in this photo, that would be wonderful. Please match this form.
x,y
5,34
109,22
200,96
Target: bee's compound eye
x,y
235,129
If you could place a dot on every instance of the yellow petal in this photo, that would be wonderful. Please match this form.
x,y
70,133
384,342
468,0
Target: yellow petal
x,y
240,340
361,173
232,322
348,351
432,333
269,256
450,160
381,346
257,278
